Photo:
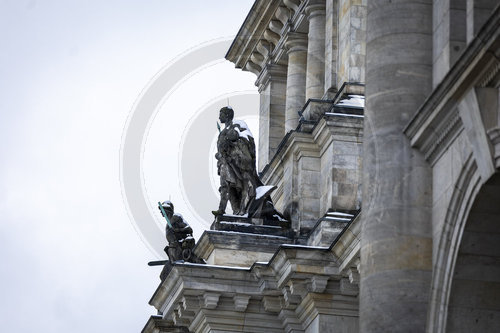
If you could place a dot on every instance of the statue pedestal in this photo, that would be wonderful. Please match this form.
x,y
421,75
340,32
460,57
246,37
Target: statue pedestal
x,y
236,223
239,241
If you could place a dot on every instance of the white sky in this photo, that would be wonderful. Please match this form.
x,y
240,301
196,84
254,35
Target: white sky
x,y
70,71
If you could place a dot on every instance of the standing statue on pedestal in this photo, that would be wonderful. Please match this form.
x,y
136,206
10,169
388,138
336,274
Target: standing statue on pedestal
x,y
179,235
236,166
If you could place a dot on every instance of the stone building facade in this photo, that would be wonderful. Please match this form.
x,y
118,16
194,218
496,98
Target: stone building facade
x,y
394,205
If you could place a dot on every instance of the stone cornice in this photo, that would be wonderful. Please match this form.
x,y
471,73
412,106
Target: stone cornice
x,y
436,123
252,30
292,273
271,73
261,39
156,324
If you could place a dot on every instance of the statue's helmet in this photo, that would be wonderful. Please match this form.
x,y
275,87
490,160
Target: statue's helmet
x,y
228,111
168,206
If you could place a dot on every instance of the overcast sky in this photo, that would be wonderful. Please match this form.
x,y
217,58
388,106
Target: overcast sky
x,y
70,72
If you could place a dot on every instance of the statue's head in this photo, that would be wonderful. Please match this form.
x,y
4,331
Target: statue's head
x,y
168,207
226,114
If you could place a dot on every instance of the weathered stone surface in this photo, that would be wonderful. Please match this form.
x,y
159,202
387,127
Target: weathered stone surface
x,y
156,324
326,174
239,248
315,77
296,79
351,39
396,239
272,89
427,235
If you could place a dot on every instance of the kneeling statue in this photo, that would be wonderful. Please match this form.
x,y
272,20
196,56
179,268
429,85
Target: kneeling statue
x,y
179,236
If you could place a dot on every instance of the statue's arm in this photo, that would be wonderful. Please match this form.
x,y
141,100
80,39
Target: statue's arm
x,y
187,229
180,225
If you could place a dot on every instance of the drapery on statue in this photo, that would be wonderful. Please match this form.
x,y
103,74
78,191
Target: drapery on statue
x,y
236,166
179,235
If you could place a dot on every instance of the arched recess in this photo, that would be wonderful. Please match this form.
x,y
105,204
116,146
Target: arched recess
x,y
474,300
457,278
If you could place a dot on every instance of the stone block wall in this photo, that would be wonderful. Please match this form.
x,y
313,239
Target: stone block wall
x,y
341,165
351,41
319,171
449,35
308,181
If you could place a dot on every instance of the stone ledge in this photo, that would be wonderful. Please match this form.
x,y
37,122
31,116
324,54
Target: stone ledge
x,y
329,227
251,226
225,247
156,324
314,109
293,276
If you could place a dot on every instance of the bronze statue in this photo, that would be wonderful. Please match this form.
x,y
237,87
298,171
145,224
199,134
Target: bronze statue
x,y
236,166
179,235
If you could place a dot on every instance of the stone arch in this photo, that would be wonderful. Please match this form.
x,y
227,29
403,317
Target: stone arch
x,y
466,188
468,191
474,300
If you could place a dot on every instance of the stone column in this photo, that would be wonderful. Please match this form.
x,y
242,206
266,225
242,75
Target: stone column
x,y
296,79
315,77
331,47
396,236
272,89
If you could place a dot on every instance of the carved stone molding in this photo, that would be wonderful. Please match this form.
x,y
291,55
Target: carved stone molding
x,y
315,8
210,300
264,47
272,37
295,42
318,283
476,67
465,190
445,131
271,73
258,59
272,303
292,4
494,135
283,14
241,302
353,274
268,297
252,67
276,26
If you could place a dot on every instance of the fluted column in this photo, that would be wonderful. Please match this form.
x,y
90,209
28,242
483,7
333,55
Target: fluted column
x,y
396,234
296,78
315,78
